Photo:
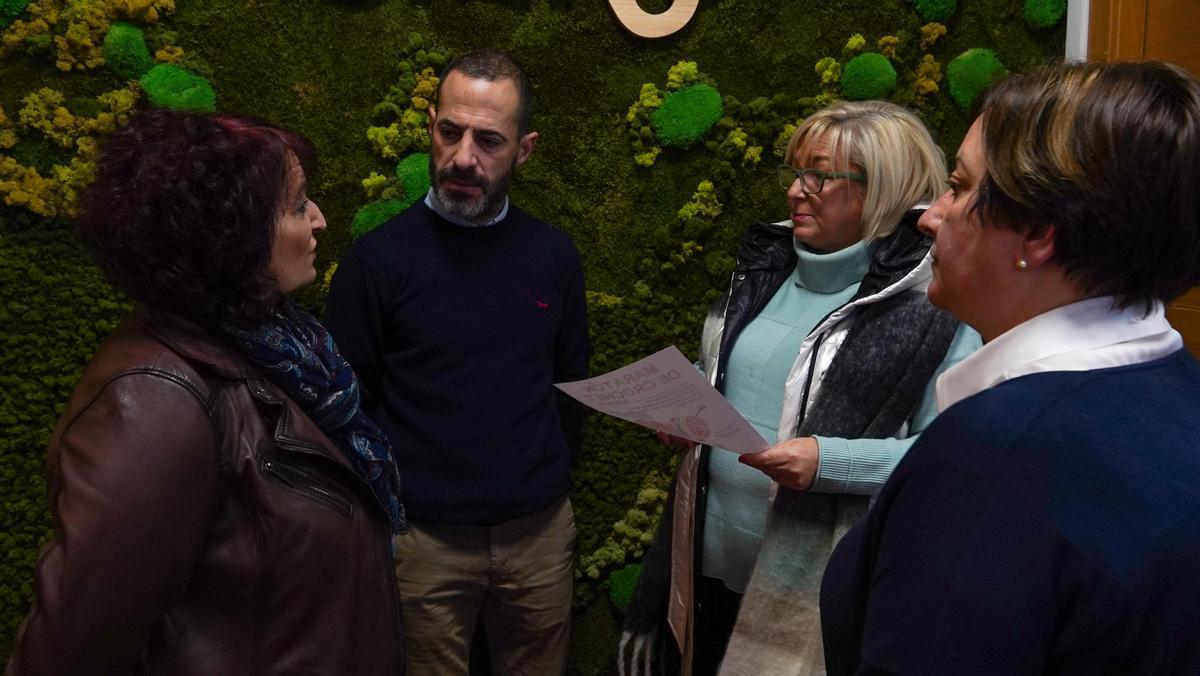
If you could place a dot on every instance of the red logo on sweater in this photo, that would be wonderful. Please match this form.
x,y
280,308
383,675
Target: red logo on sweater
x,y
543,305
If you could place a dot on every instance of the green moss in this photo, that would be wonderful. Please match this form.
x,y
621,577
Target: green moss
x,y
125,51
683,74
621,584
595,632
686,115
936,10
868,76
169,86
10,10
1044,13
650,274
413,172
970,73
55,308
373,214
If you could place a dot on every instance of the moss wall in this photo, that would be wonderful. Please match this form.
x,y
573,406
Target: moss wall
x,y
655,205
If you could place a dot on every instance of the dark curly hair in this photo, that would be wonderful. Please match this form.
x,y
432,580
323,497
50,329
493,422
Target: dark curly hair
x,y
183,212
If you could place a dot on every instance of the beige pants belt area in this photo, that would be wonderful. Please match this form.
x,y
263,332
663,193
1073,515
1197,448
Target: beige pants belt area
x,y
515,576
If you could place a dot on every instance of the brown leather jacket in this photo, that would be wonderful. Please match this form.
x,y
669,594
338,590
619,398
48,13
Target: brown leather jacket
x,y
204,525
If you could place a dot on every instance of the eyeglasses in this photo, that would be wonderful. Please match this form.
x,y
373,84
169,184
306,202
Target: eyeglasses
x,y
813,180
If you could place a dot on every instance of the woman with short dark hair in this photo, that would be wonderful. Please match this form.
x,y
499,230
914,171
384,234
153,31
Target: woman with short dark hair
x,y
221,504
1046,521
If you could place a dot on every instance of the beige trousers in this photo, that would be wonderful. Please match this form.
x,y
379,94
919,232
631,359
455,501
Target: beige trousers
x,y
516,576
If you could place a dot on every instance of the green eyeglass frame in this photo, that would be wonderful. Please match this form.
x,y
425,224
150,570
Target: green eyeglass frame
x,y
812,181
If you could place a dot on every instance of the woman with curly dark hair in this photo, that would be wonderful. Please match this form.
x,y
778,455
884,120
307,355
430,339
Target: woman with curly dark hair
x,y
221,504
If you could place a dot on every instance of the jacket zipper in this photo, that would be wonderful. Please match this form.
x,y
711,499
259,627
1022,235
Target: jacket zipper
x,y
295,445
808,378
306,484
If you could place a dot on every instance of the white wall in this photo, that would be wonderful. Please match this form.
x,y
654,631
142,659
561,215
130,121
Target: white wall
x,y
1077,30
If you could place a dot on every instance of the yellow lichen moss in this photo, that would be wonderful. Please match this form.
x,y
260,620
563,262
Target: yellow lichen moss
x,y
146,11
648,99
927,76
42,15
888,45
23,186
683,74
411,133
8,133
78,47
704,203
855,44
374,185
632,534
45,112
75,176
423,91
327,279
930,33
77,27
600,299
385,140
647,158
169,54
779,148
829,69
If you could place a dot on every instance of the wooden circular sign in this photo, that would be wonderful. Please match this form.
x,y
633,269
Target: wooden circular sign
x,y
643,24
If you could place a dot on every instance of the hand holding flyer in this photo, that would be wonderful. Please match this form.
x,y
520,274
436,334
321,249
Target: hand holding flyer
x,y
665,393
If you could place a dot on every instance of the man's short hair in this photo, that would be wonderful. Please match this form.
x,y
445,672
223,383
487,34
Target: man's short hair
x,y
493,65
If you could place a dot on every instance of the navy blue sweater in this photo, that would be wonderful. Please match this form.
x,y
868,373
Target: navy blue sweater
x,y
457,335
1050,524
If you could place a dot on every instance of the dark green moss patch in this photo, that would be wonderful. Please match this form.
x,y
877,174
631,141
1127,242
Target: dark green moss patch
x,y
1044,13
686,115
125,51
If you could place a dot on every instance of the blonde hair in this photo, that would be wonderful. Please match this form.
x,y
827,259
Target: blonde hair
x,y
904,167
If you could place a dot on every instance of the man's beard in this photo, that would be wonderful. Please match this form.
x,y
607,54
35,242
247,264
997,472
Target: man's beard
x,y
474,209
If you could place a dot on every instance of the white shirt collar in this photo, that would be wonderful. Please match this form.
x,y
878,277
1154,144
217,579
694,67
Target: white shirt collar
x,y
432,202
1089,334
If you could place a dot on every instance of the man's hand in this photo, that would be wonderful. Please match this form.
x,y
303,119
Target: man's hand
x,y
792,463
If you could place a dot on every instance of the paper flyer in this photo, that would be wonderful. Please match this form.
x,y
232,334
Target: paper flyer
x,y
664,392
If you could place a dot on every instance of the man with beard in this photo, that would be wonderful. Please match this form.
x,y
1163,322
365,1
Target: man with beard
x,y
458,316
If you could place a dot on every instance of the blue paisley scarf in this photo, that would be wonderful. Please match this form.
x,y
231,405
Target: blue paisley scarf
x,y
297,354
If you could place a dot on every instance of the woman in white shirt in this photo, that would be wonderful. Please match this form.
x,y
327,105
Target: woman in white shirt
x,y
1045,522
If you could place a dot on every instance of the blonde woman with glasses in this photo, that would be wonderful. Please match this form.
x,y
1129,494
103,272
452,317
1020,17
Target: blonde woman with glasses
x,y
826,342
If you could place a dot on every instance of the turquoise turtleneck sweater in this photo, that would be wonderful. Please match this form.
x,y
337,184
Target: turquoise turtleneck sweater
x,y
762,356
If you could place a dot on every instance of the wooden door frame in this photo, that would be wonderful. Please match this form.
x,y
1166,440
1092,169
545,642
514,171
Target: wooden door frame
x,y
1116,30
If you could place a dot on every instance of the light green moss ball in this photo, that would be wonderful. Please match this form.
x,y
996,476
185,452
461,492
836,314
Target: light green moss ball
x,y
970,73
868,76
169,86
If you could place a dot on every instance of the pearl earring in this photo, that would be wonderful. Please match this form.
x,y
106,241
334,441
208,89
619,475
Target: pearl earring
x,y
1022,264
